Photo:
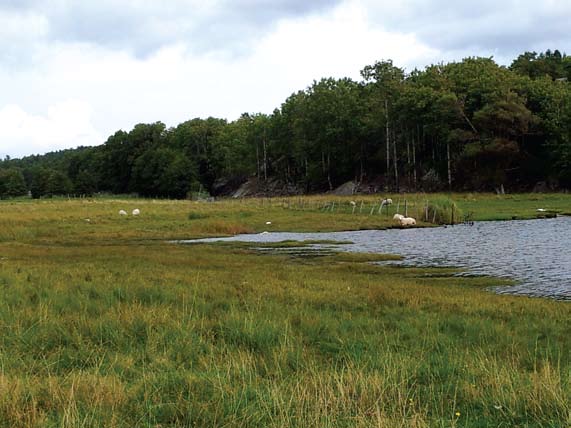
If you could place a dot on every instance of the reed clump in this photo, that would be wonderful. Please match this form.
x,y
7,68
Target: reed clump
x,y
443,211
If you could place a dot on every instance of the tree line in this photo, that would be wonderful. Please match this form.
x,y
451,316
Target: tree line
x,y
468,125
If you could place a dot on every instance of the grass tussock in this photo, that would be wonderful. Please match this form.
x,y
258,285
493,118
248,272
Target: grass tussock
x,y
223,227
105,323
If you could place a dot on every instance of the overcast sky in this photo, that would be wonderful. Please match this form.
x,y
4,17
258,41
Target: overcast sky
x,y
72,72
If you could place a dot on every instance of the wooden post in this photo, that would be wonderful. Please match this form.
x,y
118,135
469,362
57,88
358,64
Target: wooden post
x,y
361,209
405,208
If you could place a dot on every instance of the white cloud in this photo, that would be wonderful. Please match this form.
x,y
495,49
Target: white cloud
x,y
504,29
174,81
142,26
64,125
119,90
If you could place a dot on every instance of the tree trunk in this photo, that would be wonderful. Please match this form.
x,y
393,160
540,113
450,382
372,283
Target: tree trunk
x,y
407,149
449,169
329,171
407,137
387,129
265,158
257,161
414,158
361,166
395,161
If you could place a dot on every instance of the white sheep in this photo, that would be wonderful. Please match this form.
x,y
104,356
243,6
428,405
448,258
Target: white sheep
x,y
122,212
387,201
407,221
398,217
136,212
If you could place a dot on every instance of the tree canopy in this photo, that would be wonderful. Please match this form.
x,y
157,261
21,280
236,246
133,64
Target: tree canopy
x,y
466,125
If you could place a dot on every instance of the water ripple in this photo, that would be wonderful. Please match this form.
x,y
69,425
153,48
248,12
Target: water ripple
x,y
535,253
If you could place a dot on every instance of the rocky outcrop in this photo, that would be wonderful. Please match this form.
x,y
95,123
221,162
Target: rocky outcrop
x,y
270,188
346,189
227,186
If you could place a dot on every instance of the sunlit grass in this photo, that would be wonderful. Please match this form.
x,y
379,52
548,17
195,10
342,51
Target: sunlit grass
x,y
105,323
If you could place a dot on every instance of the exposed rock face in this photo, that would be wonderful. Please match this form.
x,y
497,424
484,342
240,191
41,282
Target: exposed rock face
x,y
227,185
272,187
369,186
540,187
241,187
248,188
346,189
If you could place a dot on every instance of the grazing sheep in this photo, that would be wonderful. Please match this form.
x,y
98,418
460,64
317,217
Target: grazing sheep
x,y
398,217
268,222
136,212
407,221
387,201
354,205
122,212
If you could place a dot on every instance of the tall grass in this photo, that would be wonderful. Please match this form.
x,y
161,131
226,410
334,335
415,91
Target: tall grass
x,y
442,210
106,324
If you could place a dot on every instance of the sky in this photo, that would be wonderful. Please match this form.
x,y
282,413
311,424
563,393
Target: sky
x,y
73,72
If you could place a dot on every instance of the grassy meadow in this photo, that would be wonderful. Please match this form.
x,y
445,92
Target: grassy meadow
x,y
105,323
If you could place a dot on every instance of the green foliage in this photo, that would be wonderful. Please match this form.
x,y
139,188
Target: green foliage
x,y
551,63
162,172
474,124
85,183
12,183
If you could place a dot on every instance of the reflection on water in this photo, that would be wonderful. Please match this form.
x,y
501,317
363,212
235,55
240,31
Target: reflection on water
x,y
536,253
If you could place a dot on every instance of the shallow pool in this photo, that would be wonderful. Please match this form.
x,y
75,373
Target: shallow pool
x,y
535,253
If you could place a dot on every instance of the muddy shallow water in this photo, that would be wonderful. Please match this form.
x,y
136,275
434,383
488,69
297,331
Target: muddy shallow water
x,y
535,253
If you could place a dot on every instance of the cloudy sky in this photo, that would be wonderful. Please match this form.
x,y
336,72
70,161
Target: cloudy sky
x,y
72,72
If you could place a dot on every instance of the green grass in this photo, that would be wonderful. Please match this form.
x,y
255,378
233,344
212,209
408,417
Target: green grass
x,y
106,324
508,207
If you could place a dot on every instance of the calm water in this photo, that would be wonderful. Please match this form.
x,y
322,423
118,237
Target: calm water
x,y
536,253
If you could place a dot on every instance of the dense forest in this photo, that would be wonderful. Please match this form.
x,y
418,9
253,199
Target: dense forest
x,y
470,125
